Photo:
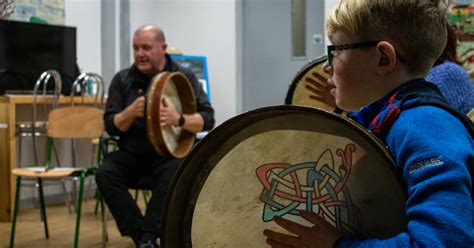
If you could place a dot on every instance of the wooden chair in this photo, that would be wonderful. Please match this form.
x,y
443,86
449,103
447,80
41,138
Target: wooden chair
x,y
34,129
69,122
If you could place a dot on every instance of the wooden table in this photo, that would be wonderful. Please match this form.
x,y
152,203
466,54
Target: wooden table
x,y
9,116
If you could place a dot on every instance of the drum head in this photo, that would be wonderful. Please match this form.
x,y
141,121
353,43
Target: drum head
x,y
173,89
303,88
276,161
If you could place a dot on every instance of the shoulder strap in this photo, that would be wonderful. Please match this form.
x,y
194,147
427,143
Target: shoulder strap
x,y
414,95
435,98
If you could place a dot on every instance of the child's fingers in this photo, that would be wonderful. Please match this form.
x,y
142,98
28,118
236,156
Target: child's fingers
x,y
290,225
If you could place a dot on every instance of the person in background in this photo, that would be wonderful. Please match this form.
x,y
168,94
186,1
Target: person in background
x,y
451,78
382,51
136,159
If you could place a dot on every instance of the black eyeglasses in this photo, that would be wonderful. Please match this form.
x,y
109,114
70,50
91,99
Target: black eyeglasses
x,y
332,48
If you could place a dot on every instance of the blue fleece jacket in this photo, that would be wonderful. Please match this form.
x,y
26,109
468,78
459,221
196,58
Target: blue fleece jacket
x,y
436,155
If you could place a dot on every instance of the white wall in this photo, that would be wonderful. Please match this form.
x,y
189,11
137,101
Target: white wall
x,y
329,4
85,16
204,27
196,27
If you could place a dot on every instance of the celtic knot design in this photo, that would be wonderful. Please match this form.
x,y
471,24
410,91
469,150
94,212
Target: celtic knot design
x,y
319,187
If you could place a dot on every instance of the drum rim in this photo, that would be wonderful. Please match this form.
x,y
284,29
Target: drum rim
x,y
187,137
299,75
189,159
148,109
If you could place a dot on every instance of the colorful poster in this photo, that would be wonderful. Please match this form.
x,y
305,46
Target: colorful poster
x,y
461,17
39,11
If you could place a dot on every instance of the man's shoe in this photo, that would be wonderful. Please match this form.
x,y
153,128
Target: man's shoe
x,y
148,244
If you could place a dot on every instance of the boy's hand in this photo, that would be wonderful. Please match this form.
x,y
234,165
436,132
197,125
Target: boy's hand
x,y
322,91
322,234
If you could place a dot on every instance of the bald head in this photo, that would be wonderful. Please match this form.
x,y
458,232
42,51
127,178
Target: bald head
x,y
157,31
149,49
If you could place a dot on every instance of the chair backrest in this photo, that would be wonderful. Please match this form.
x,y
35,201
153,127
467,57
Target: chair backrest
x,y
80,121
90,84
76,122
41,86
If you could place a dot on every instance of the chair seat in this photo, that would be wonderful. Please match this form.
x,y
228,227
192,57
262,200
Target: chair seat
x,y
41,173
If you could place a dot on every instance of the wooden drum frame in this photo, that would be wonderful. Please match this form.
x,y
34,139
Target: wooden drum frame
x,y
176,90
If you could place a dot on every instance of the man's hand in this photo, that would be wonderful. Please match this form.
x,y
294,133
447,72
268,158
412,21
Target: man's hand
x,y
123,120
137,108
321,91
168,115
321,234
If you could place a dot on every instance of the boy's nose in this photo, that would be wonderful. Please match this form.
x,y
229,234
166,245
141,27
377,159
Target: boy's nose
x,y
327,68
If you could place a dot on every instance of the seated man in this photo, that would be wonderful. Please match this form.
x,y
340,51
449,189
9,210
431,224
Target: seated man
x,y
136,158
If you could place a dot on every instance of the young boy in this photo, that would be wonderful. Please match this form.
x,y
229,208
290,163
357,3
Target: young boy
x,y
382,51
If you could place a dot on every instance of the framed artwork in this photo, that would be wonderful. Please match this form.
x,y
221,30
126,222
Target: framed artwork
x,y
44,11
197,64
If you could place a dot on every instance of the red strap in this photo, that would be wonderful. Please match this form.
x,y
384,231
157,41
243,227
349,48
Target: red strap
x,y
388,120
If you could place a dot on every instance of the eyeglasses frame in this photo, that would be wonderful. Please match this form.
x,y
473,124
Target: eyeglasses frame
x,y
331,48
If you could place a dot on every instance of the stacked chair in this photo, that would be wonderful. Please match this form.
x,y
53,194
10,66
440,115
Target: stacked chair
x,y
74,121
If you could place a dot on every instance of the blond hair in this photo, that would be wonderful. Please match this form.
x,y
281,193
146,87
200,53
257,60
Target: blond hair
x,y
415,27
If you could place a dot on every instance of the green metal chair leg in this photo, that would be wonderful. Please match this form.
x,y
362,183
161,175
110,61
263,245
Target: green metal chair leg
x,y
79,206
43,207
136,195
145,195
15,211
98,198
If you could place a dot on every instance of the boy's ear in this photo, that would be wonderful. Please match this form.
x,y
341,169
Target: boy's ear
x,y
387,58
